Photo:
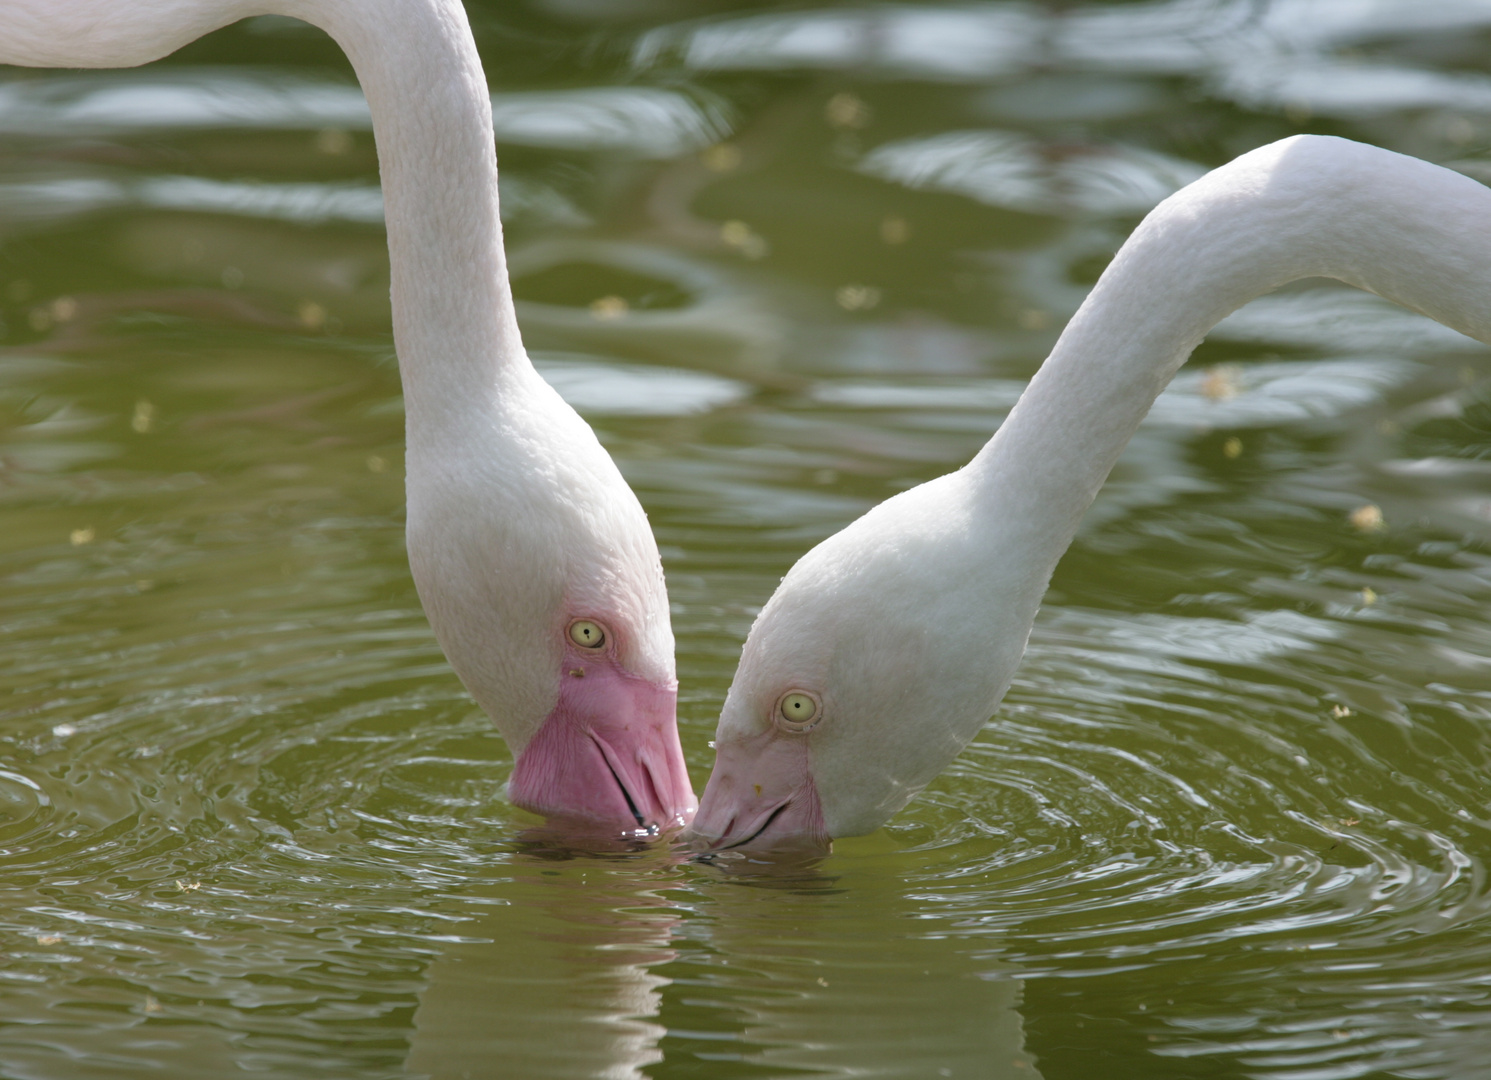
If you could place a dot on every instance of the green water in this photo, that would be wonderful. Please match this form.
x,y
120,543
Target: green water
x,y
788,260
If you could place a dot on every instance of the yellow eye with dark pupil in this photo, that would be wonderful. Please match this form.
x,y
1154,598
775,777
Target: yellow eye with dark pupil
x,y
798,708
586,634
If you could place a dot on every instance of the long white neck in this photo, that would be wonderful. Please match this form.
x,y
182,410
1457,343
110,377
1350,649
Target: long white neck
x,y
454,326
1308,206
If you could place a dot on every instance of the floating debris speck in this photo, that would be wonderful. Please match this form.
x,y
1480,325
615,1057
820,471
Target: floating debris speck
x,y
740,236
609,307
312,315
895,230
1220,382
333,141
1367,519
721,158
857,297
846,110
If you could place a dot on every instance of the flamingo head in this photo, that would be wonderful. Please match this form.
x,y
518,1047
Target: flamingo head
x,y
881,654
541,578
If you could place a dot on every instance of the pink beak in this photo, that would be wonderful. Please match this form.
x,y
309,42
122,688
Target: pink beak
x,y
608,755
761,795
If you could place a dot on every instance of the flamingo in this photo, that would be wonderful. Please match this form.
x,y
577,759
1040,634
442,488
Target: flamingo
x,y
888,646
533,559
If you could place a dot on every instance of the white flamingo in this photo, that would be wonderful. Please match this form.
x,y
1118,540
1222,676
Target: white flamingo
x,y
888,646
532,557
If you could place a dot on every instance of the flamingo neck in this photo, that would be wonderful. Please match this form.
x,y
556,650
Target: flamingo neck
x,y
1309,206
455,329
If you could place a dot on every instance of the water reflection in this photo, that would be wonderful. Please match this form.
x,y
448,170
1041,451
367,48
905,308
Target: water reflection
x,y
622,961
844,971
576,942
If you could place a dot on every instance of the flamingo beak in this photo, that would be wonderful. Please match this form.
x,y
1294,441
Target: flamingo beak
x,y
761,795
608,755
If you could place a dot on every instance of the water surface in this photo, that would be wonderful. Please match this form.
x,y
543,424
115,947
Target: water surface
x,y
788,261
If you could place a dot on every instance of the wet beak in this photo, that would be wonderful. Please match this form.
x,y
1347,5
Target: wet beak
x,y
608,756
761,796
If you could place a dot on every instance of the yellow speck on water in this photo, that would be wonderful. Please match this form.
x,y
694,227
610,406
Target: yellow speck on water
x,y
376,463
48,939
1459,130
144,418
1220,382
1034,319
857,297
721,158
822,981
846,110
1369,596
609,307
79,537
152,1005
1367,518
895,230
740,236
188,886
1232,448
64,309
735,232
333,141
311,314
1340,711
1350,821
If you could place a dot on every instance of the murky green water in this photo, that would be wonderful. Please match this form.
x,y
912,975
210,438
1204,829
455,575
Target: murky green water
x,y
1232,820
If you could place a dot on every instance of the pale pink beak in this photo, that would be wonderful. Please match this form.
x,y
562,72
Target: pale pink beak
x,y
608,756
761,796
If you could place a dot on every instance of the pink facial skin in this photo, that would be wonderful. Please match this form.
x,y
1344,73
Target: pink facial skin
x,y
608,756
761,796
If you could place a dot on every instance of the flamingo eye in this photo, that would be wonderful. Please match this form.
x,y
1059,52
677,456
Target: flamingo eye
x,y
799,711
587,634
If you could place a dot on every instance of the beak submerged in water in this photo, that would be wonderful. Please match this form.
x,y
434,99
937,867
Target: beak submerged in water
x,y
761,796
608,755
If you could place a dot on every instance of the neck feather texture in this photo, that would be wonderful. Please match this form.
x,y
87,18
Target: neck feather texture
x,y
1309,206
454,327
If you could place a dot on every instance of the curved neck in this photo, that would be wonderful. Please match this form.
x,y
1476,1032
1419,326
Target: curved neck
x,y
454,326
453,319
1305,207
